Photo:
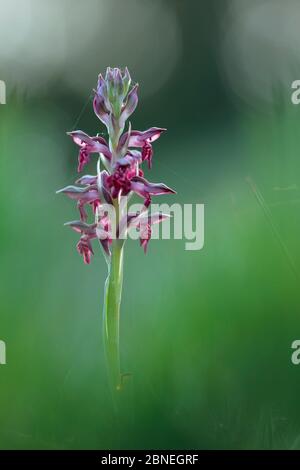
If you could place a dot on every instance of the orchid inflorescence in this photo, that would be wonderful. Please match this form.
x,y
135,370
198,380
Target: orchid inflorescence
x,y
115,100
118,177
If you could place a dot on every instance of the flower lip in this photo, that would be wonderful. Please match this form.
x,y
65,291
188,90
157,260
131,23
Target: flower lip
x,y
85,249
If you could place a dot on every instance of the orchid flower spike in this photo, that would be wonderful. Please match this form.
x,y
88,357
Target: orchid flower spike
x,y
119,174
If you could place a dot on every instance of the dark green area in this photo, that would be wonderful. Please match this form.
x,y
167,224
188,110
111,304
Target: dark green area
x,y
206,335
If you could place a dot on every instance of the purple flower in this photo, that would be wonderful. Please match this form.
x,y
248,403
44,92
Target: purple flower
x,y
143,222
85,249
120,181
122,156
119,174
138,138
83,196
99,230
89,145
143,140
146,189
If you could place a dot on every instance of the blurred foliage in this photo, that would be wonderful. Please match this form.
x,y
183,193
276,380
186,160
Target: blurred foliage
x,y
206,335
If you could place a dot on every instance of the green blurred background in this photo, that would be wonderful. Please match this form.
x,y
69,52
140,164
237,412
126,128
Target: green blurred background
x,y
205,334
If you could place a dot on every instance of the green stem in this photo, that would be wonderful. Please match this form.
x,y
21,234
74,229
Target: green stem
x,y
111,314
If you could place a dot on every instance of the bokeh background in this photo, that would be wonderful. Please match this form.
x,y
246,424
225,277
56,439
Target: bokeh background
x,y
205,334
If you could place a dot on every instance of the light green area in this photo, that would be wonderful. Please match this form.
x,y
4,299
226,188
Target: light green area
x,y
206,335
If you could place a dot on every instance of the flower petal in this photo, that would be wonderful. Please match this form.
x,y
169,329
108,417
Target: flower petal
x,y
126,81
147,154
133,157
89,145
87,179
82,227
79,137
100,108
139,138
103,187
87,194
85,249
145,189
104,237
95,144
145,235
130,105
145,217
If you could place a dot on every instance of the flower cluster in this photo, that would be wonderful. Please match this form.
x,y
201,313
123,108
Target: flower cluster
x,y
121,158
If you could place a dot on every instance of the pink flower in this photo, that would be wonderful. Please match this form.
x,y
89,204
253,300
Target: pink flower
x,y
143,222
99,230
142,140
146,189
119,182
85,249
83,196
89,145
122,156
